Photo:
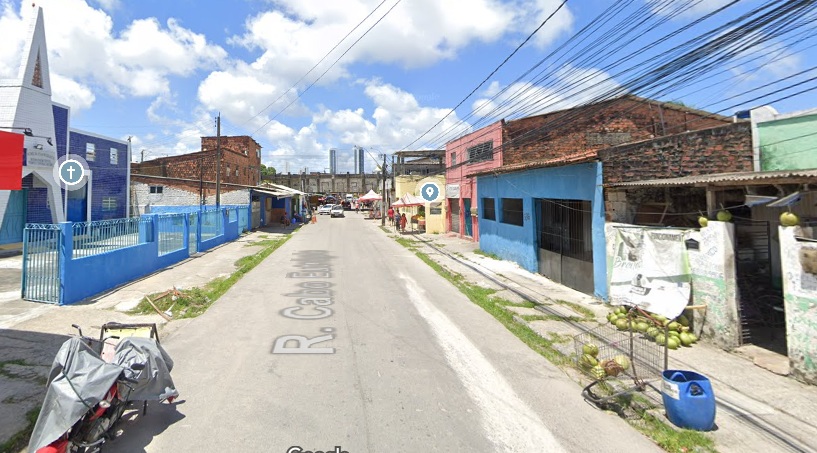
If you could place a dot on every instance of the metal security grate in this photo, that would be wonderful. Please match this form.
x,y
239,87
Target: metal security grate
x,y
41,262
171,233
93,238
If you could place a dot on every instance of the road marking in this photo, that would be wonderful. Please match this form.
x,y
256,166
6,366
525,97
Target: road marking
x,y
507,421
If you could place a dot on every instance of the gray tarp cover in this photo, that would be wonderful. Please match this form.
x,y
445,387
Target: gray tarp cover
x,y
79,379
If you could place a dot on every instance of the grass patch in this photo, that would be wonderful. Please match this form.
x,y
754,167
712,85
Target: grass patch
x,y
672,440
192,302
482,297
507,303
20,440
588,314
487,255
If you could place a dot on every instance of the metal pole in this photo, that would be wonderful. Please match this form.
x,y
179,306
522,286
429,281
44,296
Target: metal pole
x,y
383,197
218,161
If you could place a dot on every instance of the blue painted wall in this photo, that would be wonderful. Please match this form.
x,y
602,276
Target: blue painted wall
x,y
520,243
109,179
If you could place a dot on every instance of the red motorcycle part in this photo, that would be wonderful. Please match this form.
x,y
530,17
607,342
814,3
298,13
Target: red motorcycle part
x,y
58,446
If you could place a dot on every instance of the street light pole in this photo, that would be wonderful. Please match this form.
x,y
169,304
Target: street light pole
x,y
218,160
383,198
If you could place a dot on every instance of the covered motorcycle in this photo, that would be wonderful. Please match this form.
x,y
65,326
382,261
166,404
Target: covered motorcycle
x,y
82,384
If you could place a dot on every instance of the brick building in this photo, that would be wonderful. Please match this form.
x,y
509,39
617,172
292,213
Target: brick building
x,y
240,162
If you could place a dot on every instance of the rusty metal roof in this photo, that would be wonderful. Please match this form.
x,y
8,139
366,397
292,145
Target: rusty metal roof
x,y
725,179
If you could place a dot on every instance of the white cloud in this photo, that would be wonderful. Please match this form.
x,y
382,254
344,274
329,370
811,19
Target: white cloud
x,y
85,51
71,93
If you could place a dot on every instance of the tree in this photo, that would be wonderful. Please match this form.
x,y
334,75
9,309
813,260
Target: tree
x,y
267,171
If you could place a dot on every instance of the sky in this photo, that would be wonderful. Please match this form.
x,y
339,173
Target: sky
x,y
304,76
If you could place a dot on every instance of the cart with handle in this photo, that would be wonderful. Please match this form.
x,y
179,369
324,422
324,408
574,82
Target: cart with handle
x,y
621,354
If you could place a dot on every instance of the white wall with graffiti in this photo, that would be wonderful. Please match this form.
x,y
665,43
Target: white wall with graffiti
x,y
664,270
798,250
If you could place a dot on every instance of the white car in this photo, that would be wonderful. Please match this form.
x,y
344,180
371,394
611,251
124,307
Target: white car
x,y
337,211
325,209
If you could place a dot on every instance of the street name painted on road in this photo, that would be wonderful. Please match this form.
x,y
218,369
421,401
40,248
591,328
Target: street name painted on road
x,y
313,299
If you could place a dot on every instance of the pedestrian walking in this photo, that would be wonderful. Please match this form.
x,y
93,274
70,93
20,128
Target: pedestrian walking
x,y
391,214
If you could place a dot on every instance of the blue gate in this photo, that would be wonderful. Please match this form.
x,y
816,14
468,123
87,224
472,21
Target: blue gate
x,y
11,230
41,262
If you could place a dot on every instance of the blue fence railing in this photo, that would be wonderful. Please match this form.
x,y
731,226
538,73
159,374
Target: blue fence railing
x,y
171,232
93,238
59,258
41,262
211,224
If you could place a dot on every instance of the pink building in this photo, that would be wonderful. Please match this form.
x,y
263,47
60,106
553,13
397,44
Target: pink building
x,y
476,152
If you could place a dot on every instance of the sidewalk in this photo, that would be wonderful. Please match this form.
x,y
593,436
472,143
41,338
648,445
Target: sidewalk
x,y
757,409
31,332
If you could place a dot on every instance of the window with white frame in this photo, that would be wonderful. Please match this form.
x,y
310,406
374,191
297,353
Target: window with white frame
x,y
236,172
114,156
90,152
454,158
156,189
109,203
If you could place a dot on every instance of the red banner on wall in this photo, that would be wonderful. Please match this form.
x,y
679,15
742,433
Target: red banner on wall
x,y
11,161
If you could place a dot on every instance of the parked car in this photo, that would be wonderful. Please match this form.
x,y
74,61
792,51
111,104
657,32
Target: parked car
x,y
325,209
337,211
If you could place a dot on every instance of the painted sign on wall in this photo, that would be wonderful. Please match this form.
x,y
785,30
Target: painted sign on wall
x,y
650,270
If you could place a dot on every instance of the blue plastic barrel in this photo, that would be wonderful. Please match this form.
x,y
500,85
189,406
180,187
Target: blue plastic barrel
x,y
689,400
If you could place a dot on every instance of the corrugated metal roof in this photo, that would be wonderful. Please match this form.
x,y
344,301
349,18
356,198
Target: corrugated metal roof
x,y
739,178
570,159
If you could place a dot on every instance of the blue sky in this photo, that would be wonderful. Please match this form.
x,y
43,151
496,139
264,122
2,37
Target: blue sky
x,y
160,71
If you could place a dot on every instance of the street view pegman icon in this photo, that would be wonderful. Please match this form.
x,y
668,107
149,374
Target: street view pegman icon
x,y
430,191
71,172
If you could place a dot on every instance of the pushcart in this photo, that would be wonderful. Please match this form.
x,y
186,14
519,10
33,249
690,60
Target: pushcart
x,y
623,355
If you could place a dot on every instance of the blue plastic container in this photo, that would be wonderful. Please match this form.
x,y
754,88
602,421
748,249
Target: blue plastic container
x,y
689,400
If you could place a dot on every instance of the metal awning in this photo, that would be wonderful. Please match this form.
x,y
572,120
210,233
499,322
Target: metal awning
x,y
278,190
751,178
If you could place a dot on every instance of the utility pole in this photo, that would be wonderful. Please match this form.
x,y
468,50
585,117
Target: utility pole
x,y
383,198
218,160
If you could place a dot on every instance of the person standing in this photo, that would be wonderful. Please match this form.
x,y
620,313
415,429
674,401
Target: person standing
x,y
403,222
390,213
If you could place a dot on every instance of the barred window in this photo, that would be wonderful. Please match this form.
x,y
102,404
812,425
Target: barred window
x,y
488,209
512,211
108,203
483,151
90,152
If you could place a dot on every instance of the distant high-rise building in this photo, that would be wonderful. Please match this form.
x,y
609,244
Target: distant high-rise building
x,y
359,161
333,161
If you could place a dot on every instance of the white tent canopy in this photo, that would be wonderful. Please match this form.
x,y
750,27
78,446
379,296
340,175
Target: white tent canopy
x,y
409,200
370,196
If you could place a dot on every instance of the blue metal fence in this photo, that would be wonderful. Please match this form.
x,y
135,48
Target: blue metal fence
x,y
41,262
193,232
171,233
93,238
212,224
243,219
58,258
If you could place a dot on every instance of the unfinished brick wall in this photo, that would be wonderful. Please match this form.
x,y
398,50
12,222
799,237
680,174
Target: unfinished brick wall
x,y
721,149
240,162
599,126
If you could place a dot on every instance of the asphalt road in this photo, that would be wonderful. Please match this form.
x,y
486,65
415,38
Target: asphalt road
x,y
343,338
